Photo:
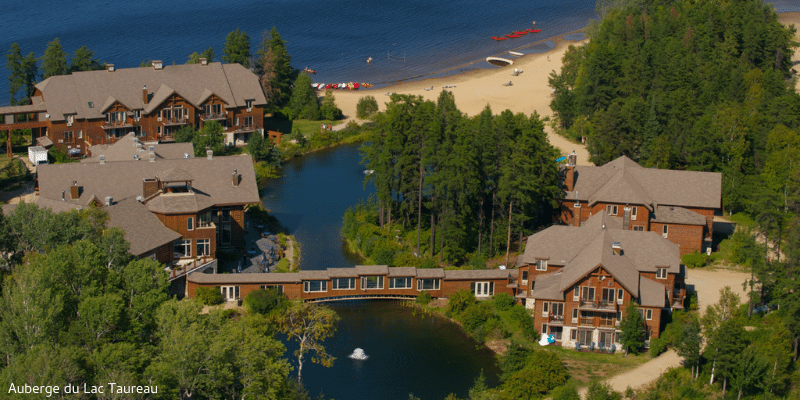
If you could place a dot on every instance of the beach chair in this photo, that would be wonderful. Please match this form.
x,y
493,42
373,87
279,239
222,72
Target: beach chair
x,y
577,346
613,349
591,347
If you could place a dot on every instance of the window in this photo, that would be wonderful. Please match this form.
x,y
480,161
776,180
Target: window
x,y
277,288
637,228
583,337
608,295
248,121
606,339
315,286
524,275
428,284
646,313
248,104
574,315
225,234
576,294
556,331
203,247
68,136
633,213
587,293
400,283
661,273
557,310
190,223
608,319
166,113
620,295
612,209
587,318
91,105
545,309
483,289
371,282
343,283
204,220
225,213
230,293
70,119
541,265
183,248
665,230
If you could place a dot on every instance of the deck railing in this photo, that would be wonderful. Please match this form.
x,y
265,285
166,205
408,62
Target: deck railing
x,y
178,271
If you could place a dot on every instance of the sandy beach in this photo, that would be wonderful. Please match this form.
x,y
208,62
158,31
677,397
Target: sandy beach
x,y
787,19
474,90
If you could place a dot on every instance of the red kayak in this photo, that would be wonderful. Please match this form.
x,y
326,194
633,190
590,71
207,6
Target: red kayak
x,y
512,36
520,33
534,30
498,38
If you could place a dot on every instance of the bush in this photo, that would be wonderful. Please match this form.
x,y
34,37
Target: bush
x,y
263,301
366,106
424,298
503,301
328,109
695,260
657,346
521,315
208,296
475,316
460,301
384,257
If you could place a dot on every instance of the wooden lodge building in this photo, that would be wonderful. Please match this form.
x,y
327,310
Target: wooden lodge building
x,y
578,280
173,207
74,112
360,282
679,205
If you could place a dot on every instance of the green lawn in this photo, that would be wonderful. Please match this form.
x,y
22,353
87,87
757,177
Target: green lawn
x,y
307,127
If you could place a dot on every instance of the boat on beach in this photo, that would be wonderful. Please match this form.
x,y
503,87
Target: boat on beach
x,y
500,62
512,36
534,30
498,38
515,53
521,32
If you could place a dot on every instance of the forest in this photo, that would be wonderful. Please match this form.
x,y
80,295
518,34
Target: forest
x,y
473,185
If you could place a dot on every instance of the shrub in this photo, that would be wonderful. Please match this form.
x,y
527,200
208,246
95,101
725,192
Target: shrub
x,y
460,301
520,314
695,260
328,109
503,301
476,315
366,106
429,262
384,256
602,391
208,296
263,301
424,298
657,346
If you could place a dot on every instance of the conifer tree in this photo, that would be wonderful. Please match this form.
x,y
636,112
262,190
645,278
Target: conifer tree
x,y
54,61
237,48
632,327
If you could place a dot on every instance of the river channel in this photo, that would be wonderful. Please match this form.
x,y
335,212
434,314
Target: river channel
x,y
408,353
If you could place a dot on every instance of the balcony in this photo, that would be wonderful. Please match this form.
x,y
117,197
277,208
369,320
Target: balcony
x,y
602,305
244,128
607,323
182,268
175,121
213,117
555,319
116,125
586,321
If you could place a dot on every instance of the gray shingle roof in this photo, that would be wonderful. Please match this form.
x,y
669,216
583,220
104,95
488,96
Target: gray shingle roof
x,y
430,273
625,181
212,183
125,148
653,294
548,286
143,230
263,278
678,215
72,93
457,274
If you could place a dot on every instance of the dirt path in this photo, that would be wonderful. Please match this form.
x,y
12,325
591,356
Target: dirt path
x,y
707,283
289,252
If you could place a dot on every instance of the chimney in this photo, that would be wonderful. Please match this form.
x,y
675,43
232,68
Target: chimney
x,y
236,178
149,187
74,190
569,176
157,65
626,218
203,61
152,157
145,100
109,201
210,154
102,159
617,248
110,67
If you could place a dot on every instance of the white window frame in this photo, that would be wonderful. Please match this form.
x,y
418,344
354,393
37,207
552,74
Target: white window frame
x,y
633,213
541,264
248,104
190,223
483,289
620,296
575,315
555,307
406,283
648,314
661,273
665,231
545,309
367,285
612,209
323,286
336,283
435,284
246,120
186,244
205,245
576,294
637,228
230,293
204,220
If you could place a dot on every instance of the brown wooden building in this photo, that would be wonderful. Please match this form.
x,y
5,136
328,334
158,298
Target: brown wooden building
x,y
177,211
679,205
84,109
578,281
360,282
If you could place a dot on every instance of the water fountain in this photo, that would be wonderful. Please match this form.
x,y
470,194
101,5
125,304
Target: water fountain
x,y
358,354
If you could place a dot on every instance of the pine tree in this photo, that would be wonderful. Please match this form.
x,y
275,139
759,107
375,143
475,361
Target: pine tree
x,y
22,73
632,327
54,61
83,60
237,48
689,344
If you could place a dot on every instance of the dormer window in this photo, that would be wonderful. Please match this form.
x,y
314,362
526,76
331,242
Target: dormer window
x,y
70,119
248,104
661,273
612,209
137,114
541,265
